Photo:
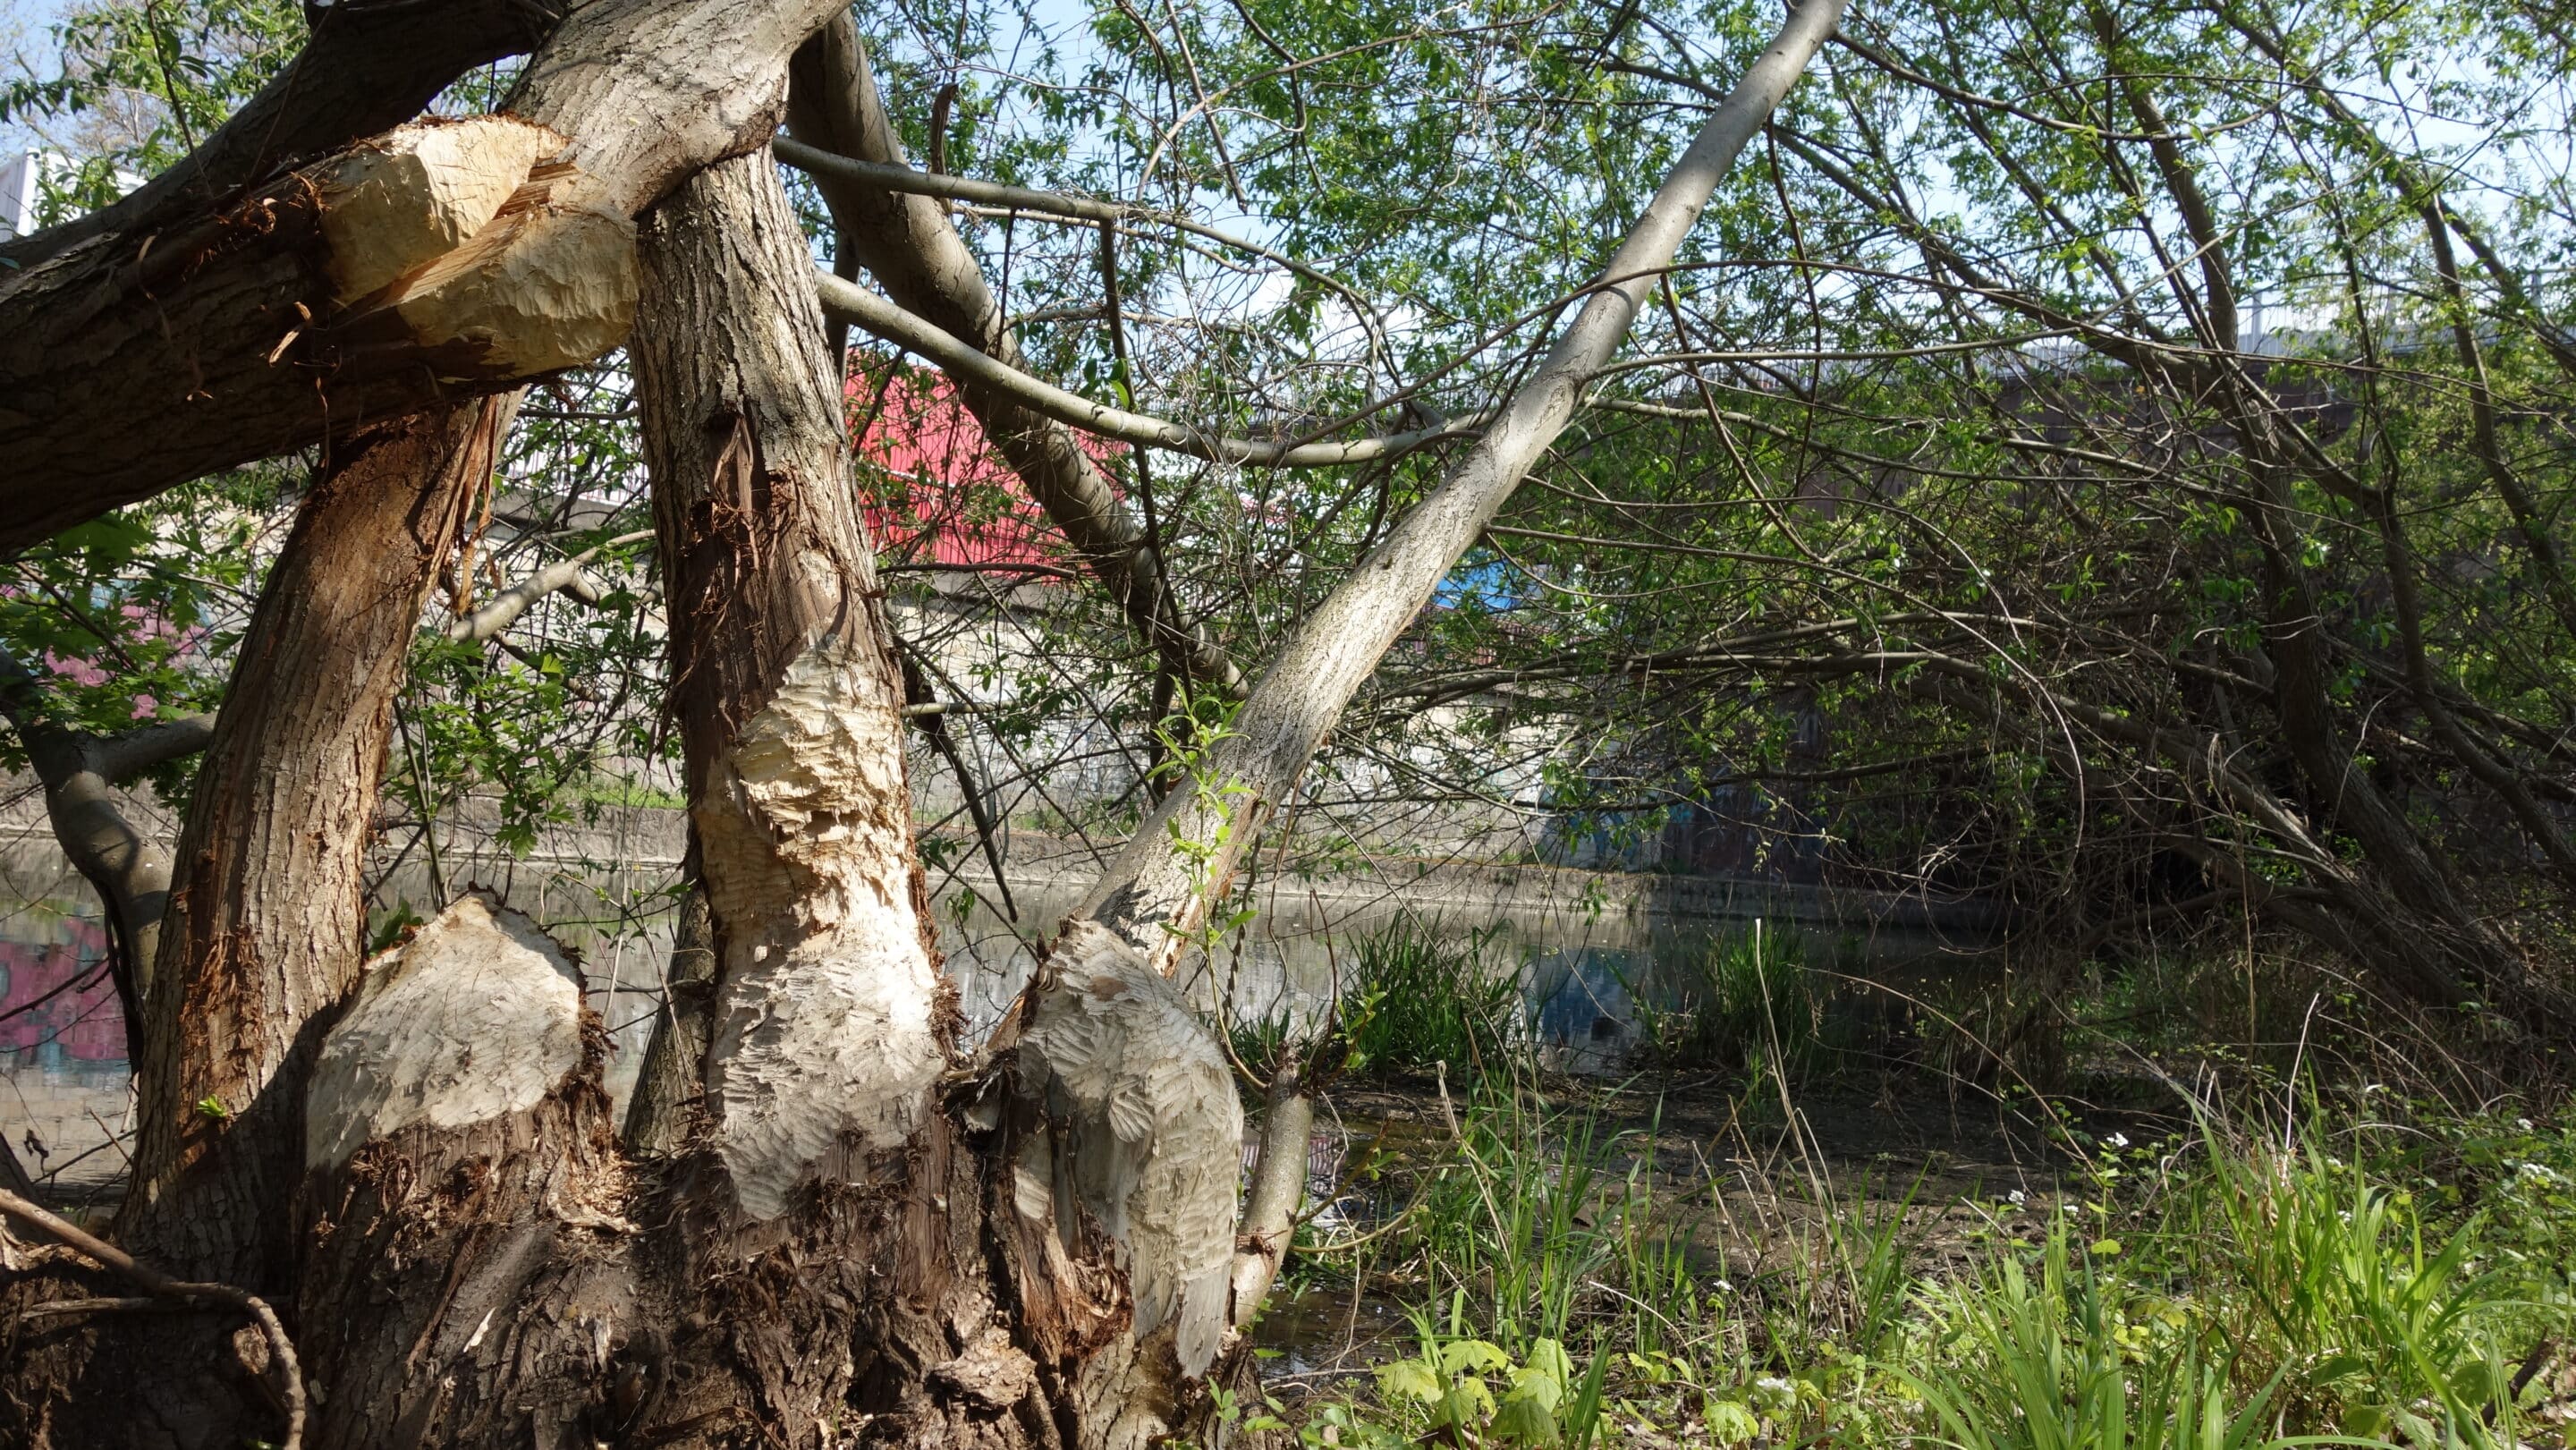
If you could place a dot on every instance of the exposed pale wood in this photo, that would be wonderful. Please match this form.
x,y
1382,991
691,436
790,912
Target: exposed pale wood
x,y
368,65
421,191
831,1016
1153,1130
476,1018
224,326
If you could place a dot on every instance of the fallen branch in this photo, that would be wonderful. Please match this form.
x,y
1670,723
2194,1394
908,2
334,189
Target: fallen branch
x,y
165,1289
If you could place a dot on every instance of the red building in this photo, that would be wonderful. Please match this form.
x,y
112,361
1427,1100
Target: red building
x,y
941,495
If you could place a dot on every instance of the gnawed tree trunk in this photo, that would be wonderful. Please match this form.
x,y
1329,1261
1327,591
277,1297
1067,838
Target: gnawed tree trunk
x,y
267,920
261,936
859,1226
868,1233
435,260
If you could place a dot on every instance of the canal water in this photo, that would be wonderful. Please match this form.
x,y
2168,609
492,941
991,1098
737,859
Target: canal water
x,y
1584,976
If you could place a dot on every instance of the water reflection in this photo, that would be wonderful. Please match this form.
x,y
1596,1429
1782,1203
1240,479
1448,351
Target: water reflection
x,y
1588,980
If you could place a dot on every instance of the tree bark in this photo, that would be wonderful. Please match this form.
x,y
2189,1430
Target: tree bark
x,y
671,1083
431,262
265,928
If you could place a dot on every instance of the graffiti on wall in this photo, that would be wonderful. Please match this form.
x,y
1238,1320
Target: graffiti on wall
x,y
57,1007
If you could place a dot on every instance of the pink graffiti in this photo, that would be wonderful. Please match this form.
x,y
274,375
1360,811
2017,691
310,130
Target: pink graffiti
x,y
36,1006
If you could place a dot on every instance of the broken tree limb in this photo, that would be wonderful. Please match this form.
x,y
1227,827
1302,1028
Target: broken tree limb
x,y
242,331
971,367
1156,892
286,1371
907,243
504,608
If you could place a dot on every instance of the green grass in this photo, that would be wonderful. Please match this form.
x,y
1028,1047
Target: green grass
x,y
1414,995
2367,1282
1735,1002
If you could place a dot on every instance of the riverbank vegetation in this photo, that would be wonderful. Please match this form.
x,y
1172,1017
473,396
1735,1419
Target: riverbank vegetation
x,y
2087,484
2269,1267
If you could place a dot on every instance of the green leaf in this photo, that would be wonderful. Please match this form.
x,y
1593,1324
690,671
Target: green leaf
x,y
1465,1356
1537,1386
1730,1422
1523,1419
1548,1357
1408,1379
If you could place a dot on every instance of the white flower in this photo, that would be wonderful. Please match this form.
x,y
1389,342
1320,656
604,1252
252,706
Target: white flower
x,y
2016,1197
2118,1140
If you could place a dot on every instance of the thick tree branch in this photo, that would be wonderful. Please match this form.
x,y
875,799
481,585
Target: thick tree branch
x,y
438,261
126,866
266,925
908,244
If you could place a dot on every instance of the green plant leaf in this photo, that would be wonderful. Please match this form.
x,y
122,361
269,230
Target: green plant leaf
x,y
1730,1422
1524,1420
1472,1356
1408,1379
